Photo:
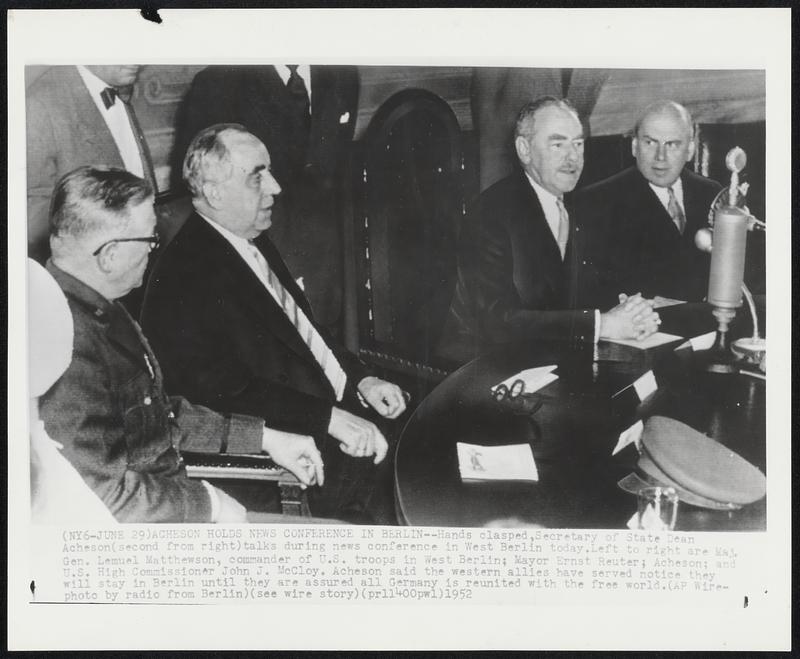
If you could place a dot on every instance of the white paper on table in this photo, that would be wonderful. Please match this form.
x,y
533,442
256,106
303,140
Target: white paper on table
x,y
534,378
651,341
697,343
660,302
512,462
644,386
632,435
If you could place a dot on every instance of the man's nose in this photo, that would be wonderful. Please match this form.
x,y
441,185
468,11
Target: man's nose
x,y
270,185
572,153
661,152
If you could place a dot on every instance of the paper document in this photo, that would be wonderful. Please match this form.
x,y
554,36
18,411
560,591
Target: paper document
x,y
632,435
651,341
534,378
659,302
513,462
644,386
697,343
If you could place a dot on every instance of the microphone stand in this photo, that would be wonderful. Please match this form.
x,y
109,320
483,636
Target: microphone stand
x,y
731,222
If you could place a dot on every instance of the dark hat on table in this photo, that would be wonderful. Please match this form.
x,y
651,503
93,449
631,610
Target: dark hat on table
x,y
703,472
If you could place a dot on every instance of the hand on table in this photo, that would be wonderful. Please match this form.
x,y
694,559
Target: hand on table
x,y
359,437
632,318
386,399
297,453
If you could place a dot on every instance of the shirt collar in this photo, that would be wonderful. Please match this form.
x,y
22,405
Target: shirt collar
x,y
303,70
77,289
94,84
546,198
663,193
237,241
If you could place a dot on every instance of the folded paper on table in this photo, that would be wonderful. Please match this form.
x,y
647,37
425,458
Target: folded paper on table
x,y
661,302
534,378
697,343
643,386
657,339
632,435
512,462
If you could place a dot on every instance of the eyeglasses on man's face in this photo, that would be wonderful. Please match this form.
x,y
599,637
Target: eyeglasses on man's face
x,y
154,241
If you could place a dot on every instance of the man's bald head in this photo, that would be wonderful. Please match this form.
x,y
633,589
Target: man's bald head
x,y
663,142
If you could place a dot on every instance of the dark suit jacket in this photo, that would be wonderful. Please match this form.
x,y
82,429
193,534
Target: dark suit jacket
x,y
223,339
633,243
512,284
119,428
64,130
308,163
256,97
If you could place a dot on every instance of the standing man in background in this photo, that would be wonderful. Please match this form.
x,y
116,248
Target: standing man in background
x,y
79,115
305,116
644,219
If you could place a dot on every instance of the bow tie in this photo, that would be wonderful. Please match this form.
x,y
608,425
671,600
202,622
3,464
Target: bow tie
x,y
110,94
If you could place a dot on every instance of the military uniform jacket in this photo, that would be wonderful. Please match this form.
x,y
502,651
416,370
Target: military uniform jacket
x,y
119,428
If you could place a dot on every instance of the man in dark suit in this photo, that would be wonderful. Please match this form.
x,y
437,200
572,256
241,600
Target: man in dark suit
x,y
78,115
643,220
305,116
109,410
234,330
519,258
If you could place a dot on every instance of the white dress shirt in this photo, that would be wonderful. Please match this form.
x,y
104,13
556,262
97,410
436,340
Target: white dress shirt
x,y
116,119
663,194
303,70
549,204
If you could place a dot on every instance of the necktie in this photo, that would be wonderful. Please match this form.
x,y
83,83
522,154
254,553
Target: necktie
x,y
299,93
316,344
109,96
563,227
676,212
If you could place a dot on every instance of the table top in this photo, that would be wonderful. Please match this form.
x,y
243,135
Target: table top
x,y
574,432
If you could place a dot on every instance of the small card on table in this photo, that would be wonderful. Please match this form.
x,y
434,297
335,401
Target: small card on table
x,y
512,462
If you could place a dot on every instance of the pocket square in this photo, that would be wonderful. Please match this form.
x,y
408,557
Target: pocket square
x,y
344,118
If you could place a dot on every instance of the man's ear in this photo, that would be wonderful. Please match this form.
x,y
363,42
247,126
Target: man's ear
x,y
211,194
523,149
690,152
107,257
634,145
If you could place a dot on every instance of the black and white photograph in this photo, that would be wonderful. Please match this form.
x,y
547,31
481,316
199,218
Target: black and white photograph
x,y
400,324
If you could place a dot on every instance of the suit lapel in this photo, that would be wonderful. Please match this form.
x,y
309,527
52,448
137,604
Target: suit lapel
x,y
537,227
653,207
267,95
241,283
89,123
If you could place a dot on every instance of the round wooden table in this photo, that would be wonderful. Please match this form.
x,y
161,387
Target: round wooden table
x,y
573,433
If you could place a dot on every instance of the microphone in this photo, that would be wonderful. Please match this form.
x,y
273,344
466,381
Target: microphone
x,y
730,221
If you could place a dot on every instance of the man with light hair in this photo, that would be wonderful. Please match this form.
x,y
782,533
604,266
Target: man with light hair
x,y
519,254
234,331
109,410
642,221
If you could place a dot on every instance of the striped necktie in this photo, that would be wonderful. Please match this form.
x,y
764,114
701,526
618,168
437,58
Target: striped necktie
x,y
563,227
305,328
675,211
